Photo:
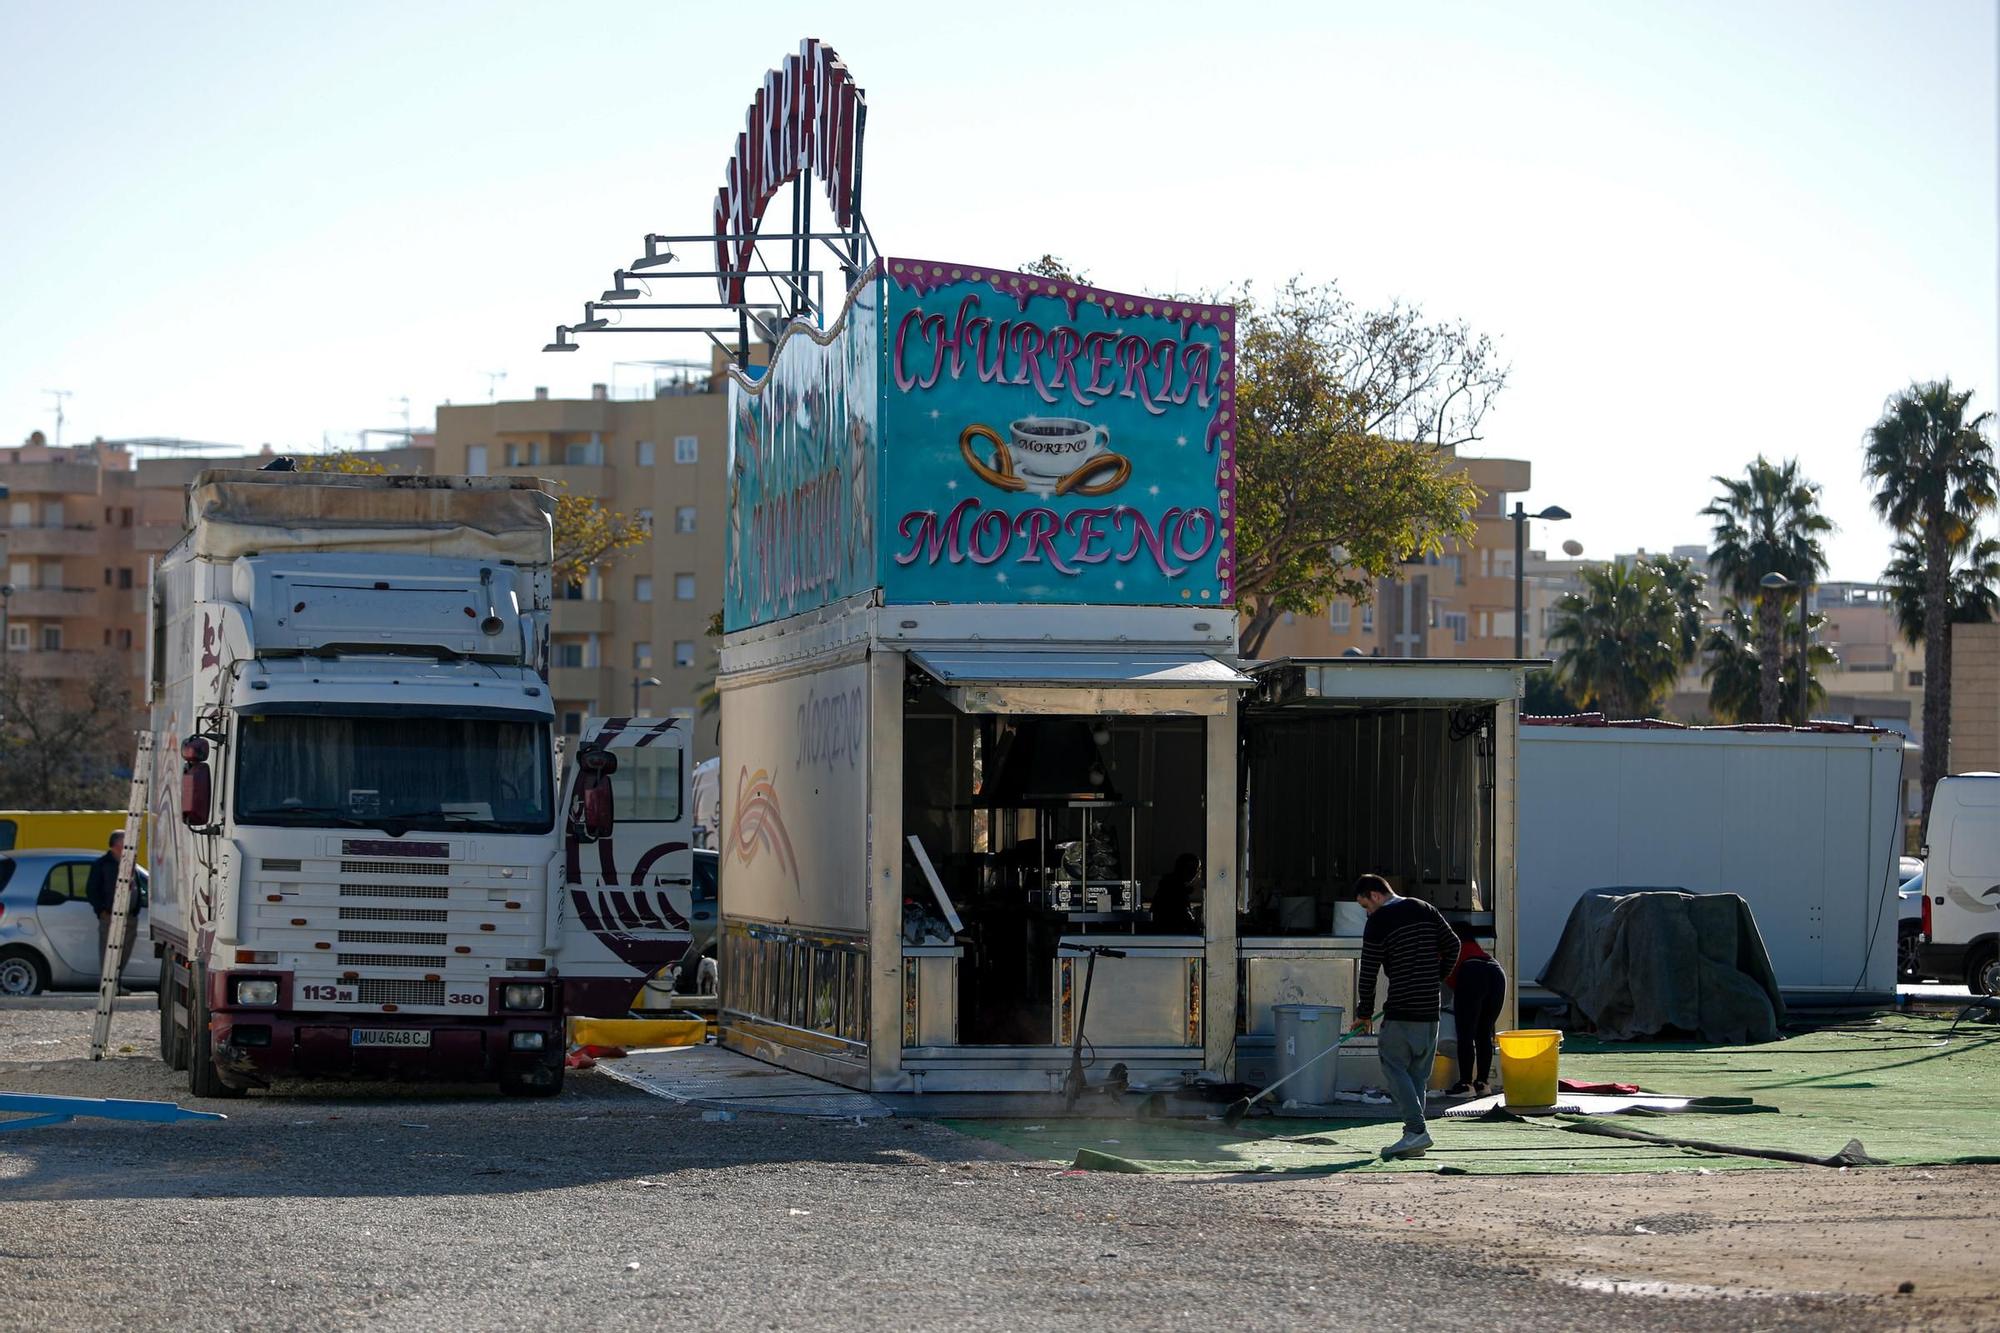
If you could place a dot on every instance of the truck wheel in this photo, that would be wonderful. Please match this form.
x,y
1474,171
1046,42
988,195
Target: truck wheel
x,y
1909,948
203,1081
543,1080
1982,971
22,972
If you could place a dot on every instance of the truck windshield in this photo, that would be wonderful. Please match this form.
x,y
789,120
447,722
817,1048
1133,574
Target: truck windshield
x,y
395,773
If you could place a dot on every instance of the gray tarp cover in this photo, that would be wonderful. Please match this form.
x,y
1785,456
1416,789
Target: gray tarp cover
x,y
1642,962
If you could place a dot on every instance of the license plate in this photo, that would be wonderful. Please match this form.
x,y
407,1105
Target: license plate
x,y
328,994
391,1037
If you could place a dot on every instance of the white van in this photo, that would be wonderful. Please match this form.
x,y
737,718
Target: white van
x,y
1961,908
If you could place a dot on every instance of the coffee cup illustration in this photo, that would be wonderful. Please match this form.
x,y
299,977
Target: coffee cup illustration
x,y
1047,456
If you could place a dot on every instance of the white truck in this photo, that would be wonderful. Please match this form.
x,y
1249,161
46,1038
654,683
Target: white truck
x,y
359,867
1961,884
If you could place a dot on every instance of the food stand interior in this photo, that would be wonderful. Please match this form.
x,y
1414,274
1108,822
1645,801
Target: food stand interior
x,y
1333,791
1042,829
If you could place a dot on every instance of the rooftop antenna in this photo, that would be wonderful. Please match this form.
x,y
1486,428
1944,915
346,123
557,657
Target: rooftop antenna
x,y
493,378
407,437
61,396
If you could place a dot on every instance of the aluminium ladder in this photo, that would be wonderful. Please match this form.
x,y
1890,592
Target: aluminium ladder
x,y
125,904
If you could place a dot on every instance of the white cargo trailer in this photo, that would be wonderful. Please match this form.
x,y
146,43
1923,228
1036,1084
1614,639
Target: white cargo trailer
x,y
1803,823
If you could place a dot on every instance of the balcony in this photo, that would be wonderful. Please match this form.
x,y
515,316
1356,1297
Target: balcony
x,y
52,603
578,685
81,540
580,617
23,479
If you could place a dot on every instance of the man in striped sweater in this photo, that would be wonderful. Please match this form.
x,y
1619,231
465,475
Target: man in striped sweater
x,y
1411,941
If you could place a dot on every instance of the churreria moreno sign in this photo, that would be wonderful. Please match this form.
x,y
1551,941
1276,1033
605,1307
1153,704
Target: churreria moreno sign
x,y
966,434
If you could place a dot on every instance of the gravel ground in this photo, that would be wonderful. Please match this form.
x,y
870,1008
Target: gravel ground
x,y
430,1207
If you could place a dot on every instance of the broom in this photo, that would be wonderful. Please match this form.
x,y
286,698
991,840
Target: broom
x,y
1241,1107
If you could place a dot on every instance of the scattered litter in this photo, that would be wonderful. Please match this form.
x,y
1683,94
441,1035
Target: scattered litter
x,y
714,1116
632,1267
1905,1288
47,1041
1033,1129
1107,1140
1644,1231
407,1124
800,1212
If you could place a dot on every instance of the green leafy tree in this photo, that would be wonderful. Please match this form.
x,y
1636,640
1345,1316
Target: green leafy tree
x,y
1347,420
1619,640
1768,521
1932,465
1734,673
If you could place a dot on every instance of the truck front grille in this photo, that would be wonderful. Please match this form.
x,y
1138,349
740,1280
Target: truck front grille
x,y
391,960
391,937
379,991
394,914
395,868
394,891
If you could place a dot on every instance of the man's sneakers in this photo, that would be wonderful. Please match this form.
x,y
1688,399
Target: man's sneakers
x,y
1410,1145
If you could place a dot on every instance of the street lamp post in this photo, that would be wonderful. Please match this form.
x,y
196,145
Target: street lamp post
x,y
641,683
1555,514
1777,582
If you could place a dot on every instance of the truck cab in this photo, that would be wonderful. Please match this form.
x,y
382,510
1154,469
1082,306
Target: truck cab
x,y
353,801
1961,905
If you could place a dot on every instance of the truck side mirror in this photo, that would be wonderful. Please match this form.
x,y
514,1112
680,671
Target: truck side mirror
x,y
596,812
196,790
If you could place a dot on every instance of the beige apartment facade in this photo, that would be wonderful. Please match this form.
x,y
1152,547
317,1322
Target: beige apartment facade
x,y
644,616
83,527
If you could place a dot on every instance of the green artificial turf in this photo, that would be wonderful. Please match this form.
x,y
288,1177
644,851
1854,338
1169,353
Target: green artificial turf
x,y
1895,1084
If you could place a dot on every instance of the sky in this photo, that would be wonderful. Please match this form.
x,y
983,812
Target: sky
x,y
1698,231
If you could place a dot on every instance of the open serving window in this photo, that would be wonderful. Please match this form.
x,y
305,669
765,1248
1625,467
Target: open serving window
x,y
1051,801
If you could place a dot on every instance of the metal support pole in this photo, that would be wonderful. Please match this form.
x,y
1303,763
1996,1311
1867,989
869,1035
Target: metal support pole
x,y
1520,517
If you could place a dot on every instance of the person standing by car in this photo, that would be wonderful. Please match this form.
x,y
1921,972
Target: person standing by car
x,y
1411,941
1478,986
102,891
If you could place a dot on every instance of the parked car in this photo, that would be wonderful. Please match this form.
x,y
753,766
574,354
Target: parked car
x,y
1910,924
48,932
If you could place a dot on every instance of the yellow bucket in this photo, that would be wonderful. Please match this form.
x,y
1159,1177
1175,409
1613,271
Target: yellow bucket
x,y
1528,1063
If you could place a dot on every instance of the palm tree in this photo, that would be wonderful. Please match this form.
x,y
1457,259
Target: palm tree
x,y
1685,583
1620,639
1932,466
1768,522
1735,669
1975,598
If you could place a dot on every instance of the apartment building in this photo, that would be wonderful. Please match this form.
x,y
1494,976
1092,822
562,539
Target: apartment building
x,y
84,525
73,570
1456,604
635,633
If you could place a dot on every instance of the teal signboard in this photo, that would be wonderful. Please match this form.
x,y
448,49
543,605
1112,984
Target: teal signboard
x,y
969,435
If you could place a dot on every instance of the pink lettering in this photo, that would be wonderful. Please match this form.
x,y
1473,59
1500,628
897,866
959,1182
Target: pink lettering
x,y
1039,527
1082,524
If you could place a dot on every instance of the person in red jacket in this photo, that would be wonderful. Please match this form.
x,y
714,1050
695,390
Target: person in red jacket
x,y
1478,985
